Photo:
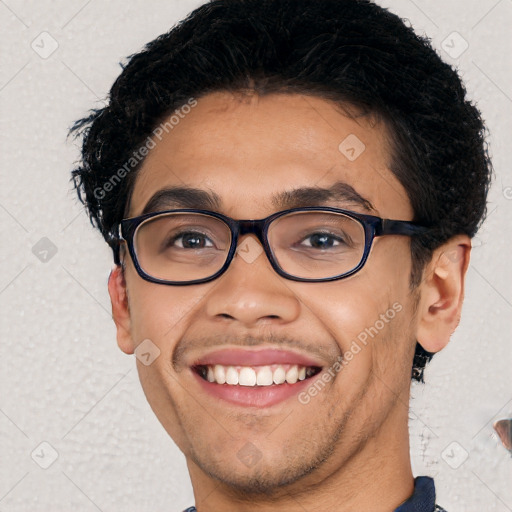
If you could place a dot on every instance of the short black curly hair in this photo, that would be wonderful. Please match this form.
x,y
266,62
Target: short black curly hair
x,y
352,52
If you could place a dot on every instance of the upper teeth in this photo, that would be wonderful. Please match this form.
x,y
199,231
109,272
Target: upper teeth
x,y
256,375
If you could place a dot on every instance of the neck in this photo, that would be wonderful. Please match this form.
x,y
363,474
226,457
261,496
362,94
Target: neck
x,y
376,477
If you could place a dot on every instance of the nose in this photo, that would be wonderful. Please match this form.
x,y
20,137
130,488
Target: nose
x,y
250,292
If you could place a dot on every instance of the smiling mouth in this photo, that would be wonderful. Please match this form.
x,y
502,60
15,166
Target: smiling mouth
x,y
255,376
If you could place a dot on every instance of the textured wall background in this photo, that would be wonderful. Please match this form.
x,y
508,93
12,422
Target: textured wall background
x,y
64,381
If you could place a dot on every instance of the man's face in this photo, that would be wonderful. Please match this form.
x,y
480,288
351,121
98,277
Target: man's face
x,y
246,152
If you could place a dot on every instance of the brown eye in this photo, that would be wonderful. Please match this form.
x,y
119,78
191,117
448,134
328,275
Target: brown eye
x,y
190,240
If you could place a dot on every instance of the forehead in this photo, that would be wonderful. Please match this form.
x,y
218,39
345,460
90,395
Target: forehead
x,y
246,151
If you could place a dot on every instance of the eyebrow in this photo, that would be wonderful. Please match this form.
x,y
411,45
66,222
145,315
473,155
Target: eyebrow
x,y
182,197
189,197
339,192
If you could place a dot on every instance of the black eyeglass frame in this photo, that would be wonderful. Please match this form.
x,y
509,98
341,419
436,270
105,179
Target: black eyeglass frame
x,y
373,227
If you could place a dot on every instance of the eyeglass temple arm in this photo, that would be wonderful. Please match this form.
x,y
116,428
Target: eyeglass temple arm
x,y
114,241
399,227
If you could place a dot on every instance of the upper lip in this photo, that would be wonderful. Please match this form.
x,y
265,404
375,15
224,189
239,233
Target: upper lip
x,y
262,357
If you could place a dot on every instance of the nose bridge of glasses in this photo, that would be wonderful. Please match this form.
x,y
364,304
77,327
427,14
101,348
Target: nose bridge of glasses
x,y
255,227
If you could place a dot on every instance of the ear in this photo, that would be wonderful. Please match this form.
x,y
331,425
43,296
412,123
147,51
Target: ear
x,y
120,309
442,293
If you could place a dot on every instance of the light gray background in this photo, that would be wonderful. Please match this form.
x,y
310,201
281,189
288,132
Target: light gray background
x,y
63,379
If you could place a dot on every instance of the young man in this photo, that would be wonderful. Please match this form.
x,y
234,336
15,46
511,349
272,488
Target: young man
x,y
241,172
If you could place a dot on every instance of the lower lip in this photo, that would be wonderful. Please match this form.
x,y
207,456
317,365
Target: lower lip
x,y
254,396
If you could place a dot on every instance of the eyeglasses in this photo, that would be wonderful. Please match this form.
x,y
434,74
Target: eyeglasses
x,y
309,244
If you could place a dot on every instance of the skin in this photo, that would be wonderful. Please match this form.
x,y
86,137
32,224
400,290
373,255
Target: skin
x,y
348,447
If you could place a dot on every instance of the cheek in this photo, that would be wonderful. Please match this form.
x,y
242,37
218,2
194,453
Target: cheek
x,y
348,307
159,312
374,338
368,315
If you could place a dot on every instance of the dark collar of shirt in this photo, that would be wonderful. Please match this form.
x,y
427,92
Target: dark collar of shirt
x,y
423,498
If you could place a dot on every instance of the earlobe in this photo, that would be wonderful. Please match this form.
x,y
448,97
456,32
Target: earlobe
x,y
442,293
120,309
